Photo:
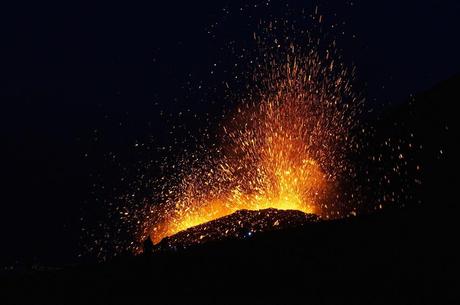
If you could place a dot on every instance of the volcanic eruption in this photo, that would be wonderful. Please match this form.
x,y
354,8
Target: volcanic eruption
x,y
285,147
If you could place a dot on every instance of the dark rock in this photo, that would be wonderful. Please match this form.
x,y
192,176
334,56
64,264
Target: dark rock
x,y
241,224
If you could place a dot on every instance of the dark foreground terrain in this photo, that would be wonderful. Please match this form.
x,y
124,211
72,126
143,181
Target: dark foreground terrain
x,y
241,224
398,255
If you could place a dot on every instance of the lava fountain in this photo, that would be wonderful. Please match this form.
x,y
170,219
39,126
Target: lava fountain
x,y
285,147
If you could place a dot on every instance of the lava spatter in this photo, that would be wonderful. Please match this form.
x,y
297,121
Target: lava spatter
x,y
285,146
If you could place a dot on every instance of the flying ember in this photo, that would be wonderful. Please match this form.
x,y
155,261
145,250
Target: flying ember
x,y
284,147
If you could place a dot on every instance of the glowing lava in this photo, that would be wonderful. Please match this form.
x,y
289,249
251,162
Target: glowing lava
x,y
285,147
290,188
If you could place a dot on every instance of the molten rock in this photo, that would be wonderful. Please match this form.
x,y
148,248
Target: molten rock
x,y
241,224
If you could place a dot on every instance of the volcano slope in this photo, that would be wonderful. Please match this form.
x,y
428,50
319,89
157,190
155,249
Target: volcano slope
x,y
241,224
403,254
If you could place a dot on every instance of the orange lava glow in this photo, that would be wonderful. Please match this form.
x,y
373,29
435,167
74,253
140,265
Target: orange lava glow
x,y
283,148
291,188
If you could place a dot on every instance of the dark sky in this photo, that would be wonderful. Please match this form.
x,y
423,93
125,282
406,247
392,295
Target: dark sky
x,y
78,82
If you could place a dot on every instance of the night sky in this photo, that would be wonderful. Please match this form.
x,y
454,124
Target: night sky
x,y
79,84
